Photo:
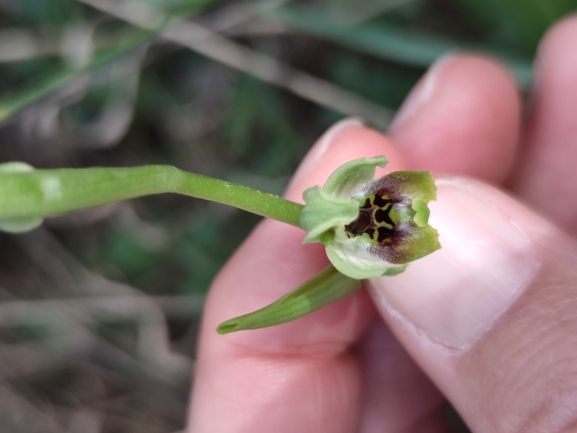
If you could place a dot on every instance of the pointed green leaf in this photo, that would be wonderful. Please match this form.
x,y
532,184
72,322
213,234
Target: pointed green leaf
x,y
326,287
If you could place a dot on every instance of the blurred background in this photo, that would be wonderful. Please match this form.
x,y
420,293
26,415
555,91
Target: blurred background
x,y
99,310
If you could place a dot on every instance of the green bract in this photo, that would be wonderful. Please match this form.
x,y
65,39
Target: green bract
x,y
371,227
326,287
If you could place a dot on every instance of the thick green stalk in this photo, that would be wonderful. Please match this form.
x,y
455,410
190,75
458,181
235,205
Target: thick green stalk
x,y
40,193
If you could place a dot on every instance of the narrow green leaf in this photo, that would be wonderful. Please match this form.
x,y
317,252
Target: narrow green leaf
x,y
19,99
389,42
518,24
130,39
326,287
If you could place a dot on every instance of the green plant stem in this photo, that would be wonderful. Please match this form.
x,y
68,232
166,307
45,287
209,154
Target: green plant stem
x,y
41,193
242,197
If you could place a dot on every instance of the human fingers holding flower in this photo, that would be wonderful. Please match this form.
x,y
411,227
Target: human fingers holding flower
x,y
489,318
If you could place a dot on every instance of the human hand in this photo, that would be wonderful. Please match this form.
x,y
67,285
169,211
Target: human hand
x,y
489,322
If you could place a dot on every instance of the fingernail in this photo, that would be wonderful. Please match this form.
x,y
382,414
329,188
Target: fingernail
x,y
323,145
455,295
421,94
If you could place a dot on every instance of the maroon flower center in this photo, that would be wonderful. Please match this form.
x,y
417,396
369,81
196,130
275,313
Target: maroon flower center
x,y
374,219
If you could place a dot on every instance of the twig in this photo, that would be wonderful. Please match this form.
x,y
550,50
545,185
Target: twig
x,y
103,296
88,310
268,69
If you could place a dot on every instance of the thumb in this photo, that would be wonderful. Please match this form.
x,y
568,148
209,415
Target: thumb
x,y
492,316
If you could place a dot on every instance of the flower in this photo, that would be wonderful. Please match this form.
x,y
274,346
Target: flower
x,y
371,227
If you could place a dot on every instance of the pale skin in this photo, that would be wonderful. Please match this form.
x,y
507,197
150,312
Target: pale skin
x,y
383,364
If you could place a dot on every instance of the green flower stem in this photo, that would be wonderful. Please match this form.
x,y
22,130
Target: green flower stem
x,y
326,287
242,197
40,193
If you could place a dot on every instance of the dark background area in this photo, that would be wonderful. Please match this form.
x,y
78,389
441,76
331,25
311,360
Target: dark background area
x,y
99,310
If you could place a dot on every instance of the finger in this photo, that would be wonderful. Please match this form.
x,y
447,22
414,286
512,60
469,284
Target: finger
x,y
298,376
484,99
461,118
396,395
546,165
491,316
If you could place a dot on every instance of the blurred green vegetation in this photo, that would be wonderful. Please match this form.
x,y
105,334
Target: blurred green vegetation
x,y
80,87
99,91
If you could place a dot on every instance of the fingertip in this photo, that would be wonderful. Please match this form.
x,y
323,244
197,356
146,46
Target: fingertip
x,y
482,251
321,147
462,118
549,151
562,34
487,316
555,66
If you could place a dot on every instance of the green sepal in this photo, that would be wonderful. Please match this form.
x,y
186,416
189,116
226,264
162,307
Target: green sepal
x,y
326,287
323,211
350,176
331,205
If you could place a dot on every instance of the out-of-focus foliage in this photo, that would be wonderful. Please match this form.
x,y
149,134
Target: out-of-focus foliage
x,y
517,24
99,310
